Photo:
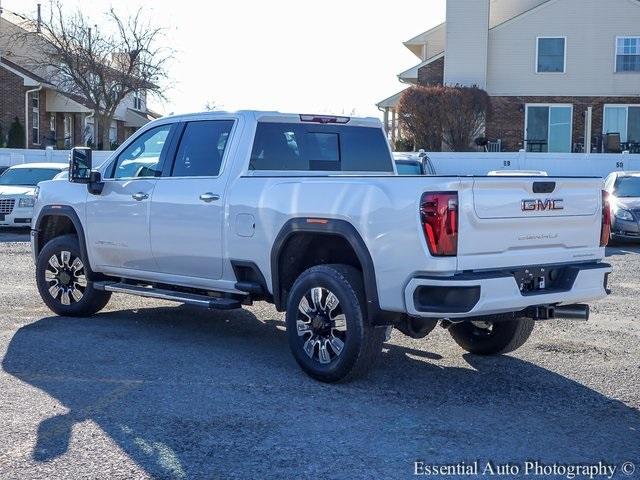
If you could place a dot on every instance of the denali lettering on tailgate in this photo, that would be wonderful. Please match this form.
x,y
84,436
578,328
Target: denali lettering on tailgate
x,y
537,205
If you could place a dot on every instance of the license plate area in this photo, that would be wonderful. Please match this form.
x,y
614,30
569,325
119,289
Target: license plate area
x,y
536,280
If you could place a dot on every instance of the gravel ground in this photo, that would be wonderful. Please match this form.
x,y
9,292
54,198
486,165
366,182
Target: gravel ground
x,y
148,389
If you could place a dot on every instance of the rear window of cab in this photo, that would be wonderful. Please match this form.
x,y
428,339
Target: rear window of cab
x,y
319,148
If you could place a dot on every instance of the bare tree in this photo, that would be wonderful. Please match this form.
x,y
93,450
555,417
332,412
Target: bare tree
x,y
464,116
430,116
419,117
101,65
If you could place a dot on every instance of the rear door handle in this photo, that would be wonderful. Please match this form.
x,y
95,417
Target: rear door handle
x,y
209,197
139,196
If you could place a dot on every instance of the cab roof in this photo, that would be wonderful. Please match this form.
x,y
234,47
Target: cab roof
x,y
274,116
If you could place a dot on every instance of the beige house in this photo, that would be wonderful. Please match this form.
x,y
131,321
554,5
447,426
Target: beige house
x,y
558,71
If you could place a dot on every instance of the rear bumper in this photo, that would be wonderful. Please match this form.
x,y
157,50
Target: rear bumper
x,y
626,236
477,294
625,229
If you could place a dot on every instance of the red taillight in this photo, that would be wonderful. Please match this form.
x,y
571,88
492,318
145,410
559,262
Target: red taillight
x,y
605,231
439,215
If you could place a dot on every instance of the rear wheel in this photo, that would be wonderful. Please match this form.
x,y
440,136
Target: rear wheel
x,y
492,337
62,281
327,328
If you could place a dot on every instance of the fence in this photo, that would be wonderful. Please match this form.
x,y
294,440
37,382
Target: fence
x,y
555,164
445,163
16,156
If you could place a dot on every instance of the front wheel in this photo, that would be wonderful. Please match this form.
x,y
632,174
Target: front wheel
x,y
492,337
62,280
327,328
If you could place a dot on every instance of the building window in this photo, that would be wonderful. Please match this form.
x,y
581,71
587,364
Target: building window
x,y
137,101
623,120
551,55
628,54
35,117
548,128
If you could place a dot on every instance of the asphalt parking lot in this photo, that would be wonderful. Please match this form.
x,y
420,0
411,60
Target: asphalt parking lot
x,y
151,389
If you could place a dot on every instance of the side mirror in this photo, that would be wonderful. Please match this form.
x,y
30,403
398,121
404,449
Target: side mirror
x,y
80,165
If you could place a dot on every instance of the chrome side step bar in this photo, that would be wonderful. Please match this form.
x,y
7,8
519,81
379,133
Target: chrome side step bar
x,y
214,303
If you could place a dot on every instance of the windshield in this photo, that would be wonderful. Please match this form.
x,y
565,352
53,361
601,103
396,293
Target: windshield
x,y
408,168
27,176
625,187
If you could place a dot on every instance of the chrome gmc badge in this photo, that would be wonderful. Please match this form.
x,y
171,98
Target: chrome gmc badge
x,y
538,205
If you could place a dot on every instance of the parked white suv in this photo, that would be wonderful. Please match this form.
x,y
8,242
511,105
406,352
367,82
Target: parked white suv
x,y
307,212
17,191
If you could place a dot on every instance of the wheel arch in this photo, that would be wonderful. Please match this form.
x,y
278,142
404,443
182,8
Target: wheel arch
x,y
57,220
339,229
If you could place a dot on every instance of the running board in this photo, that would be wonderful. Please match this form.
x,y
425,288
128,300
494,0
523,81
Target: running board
x,y
214,303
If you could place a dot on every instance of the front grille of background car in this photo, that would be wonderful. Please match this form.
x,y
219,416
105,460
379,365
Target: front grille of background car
x,y
636,213
6,205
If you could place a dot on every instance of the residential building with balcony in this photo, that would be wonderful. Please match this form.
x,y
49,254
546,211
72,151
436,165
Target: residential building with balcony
x,y
558,71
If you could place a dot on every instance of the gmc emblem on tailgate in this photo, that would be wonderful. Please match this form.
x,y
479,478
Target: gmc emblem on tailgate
x,y
537,205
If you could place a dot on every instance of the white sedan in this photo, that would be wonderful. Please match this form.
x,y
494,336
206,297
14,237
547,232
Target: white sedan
x,y
17,191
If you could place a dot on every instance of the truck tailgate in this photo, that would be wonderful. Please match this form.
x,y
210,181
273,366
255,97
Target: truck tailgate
x,y
516,221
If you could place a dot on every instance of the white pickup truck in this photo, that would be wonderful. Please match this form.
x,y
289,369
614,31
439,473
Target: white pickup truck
x,y
307,212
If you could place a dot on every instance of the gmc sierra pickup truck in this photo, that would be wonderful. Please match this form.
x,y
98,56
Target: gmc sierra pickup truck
x,y
307,212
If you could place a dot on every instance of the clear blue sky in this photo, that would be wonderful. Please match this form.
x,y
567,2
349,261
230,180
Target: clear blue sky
x,y
333,56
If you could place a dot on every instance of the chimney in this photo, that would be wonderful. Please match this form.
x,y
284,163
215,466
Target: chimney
x,y
467,42
39,24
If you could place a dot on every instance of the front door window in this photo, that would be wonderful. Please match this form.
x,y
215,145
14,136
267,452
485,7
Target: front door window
x,y
142,156
548,128
68,131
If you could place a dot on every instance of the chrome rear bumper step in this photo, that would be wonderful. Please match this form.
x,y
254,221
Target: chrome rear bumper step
x,y
214,303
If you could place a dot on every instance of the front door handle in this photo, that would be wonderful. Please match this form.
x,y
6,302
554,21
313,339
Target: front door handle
x,y
139,196
209,197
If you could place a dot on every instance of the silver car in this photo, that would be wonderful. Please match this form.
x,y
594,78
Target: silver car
x,y
624,191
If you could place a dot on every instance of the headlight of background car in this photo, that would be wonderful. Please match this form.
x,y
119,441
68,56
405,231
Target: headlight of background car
x,y
623,214
27,202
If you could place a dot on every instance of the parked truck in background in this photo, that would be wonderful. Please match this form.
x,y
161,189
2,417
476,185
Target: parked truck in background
x,y
307,212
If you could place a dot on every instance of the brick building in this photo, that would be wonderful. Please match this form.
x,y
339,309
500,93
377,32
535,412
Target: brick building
x,y
49,115
558,71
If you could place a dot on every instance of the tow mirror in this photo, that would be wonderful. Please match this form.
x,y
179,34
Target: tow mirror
x,y
80,165
80,170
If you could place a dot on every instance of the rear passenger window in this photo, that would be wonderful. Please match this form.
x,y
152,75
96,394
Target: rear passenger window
x,y
311,147
201,148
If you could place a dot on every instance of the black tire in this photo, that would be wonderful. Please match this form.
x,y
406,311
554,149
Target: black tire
x,y
361,343
505,336
75,295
